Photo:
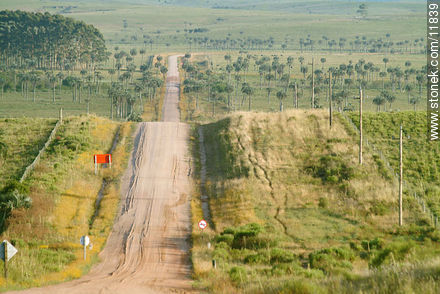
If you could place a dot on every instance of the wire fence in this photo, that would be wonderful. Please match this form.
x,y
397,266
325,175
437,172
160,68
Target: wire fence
x,y
31,167
434,221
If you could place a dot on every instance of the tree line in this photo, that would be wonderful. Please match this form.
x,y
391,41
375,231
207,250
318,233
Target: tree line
x,y
46,41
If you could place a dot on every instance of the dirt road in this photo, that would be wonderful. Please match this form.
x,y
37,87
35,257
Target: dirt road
x,y
148,249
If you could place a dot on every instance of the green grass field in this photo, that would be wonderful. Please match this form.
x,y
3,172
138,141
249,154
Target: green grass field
x,y
288,19
420,158
24,138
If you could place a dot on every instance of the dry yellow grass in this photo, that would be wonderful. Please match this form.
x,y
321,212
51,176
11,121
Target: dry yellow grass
x,y
153,109
63,217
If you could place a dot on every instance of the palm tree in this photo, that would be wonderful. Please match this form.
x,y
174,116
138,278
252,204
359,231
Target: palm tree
x,y
420,79
247,90
383,74
390,98
163,71
414,102
281,95
53,81
34,79
111,72
2,85
379,101
408,89
60,77
323,60
304,70
385,61
269,91
142,53
290,64
139,88
237,81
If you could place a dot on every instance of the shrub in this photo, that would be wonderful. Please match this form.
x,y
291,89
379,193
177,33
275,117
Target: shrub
x,y
238,275
379,208
221,253
230,231
257,242
258,258
323,202
332,169
278,255
247,237
332,260
376,243
300,287
226,238
285,269
136,117
249,230
394,252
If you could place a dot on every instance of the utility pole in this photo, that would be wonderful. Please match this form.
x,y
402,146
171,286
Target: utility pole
x,y
401,177
360,125
313,82
6,260
330,100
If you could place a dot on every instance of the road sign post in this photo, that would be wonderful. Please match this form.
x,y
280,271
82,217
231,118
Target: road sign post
x,y
7,251
85,240
203,224
102,158
6,261
96,164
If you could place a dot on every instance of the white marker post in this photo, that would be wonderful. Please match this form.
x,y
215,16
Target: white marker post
x,y
96,164
85,240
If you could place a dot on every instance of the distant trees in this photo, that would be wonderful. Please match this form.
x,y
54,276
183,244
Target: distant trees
x,y
258,77
43,40
363,10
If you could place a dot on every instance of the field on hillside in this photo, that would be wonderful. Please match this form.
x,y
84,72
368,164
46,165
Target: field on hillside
x,y
293,210
420,156
14,105
63,190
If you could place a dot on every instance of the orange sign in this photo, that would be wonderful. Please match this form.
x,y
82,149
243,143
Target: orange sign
x,y
102,158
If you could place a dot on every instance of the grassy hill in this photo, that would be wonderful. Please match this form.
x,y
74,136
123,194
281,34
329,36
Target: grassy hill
x,y
293,211
63,189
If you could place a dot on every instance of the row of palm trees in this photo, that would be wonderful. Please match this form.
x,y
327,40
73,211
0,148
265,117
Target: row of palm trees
x,y
275,77
360,44
83,84
123,93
